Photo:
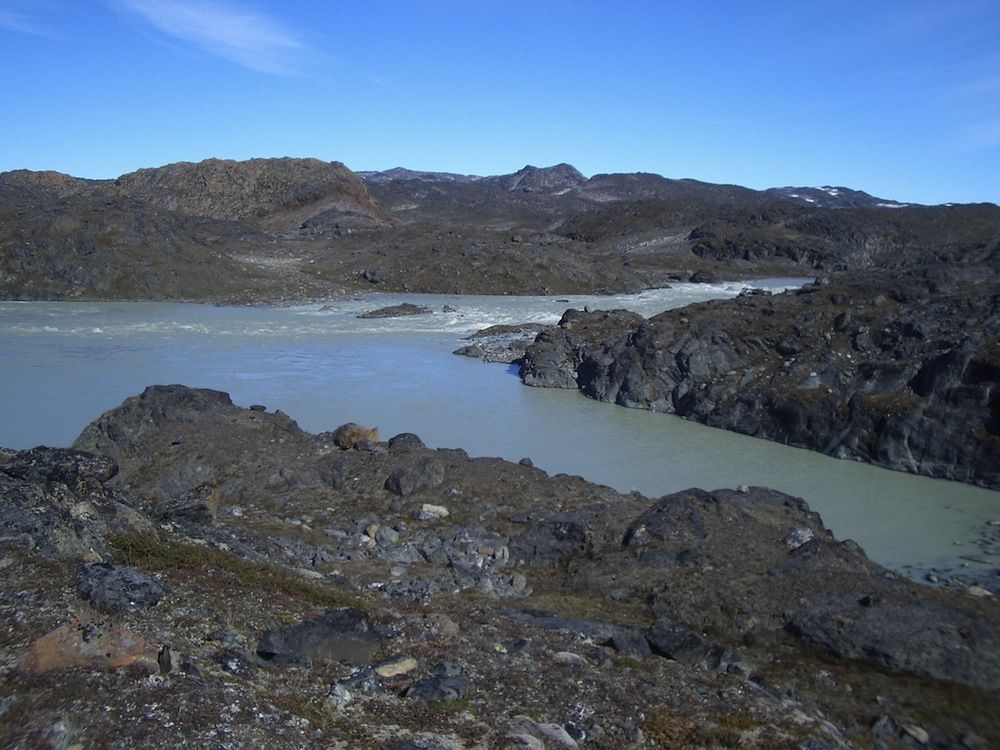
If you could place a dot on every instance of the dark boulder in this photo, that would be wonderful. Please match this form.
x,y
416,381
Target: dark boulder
x,y
501,343
674,641
625,640
556,538
704,276
405,441
345,635
116,588
61,520
427,473
198,506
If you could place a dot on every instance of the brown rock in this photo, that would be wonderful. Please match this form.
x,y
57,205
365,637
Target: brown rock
x,y
348,434
94,643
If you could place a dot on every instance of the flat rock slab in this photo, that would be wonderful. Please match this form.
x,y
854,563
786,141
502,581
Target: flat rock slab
x,y
344,635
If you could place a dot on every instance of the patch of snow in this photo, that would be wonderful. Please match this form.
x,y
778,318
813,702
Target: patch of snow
x,y
891,205
830,190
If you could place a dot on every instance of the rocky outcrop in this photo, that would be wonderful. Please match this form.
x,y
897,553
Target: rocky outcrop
x,y
902,371
273,193
396,311
60,503
555,358
501,343
330,607
555,179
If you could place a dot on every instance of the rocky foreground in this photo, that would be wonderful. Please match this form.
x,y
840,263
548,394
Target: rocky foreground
x,y
194,573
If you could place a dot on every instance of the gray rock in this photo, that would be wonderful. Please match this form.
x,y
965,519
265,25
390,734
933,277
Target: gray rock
x,y
239,663
556,538
630,641
198,506
674,641
798,536
115,588
397,311
386,535
427,473
72,468
339,468
439,688
61,509
405,441
343,635
927,637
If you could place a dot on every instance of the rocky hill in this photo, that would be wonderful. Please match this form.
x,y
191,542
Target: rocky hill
x,y
284,229
277,194
197,573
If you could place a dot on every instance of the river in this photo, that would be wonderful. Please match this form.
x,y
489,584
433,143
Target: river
x,y
64,363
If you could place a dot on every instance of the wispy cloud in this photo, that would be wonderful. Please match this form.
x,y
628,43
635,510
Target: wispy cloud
x,y
236,33
22,23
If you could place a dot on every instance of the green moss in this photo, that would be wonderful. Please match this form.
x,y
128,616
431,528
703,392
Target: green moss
x,y
150,552
587,607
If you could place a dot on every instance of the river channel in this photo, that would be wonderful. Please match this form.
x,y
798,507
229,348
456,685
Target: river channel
x,y
64,363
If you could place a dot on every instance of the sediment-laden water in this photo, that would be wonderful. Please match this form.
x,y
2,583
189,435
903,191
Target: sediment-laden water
x,y
65,363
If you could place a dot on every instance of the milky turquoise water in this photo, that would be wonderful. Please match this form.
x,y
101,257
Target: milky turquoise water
x,y
65,363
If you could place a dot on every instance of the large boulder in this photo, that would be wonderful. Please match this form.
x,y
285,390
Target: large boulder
x,y
116,588
345,635
426,474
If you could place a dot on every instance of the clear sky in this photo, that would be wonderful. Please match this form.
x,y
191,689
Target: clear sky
x,y
901,99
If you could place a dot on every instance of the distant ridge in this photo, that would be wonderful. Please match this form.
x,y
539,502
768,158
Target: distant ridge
x,y
265,230
834,197
561,179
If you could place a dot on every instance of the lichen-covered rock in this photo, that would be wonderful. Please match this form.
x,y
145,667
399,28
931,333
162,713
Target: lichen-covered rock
x,y
116,588
60,502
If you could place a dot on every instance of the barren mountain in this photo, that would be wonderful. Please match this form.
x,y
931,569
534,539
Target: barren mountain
x,y
279,229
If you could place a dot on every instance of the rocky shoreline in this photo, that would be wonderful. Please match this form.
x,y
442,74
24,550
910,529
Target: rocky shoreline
x,y
192,570
900,370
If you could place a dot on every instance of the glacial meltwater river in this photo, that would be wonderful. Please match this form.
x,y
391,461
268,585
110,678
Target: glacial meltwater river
x,y
64,363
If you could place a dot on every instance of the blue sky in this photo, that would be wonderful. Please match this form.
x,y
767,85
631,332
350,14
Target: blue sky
x,y
901,99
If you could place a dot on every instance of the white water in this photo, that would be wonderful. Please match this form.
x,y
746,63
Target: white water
x,y
65,363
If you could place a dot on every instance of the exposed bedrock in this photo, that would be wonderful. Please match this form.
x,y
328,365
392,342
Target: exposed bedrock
x,y
902,372
370,576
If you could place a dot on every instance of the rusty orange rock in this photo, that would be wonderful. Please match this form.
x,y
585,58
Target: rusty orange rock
x,y
89,643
